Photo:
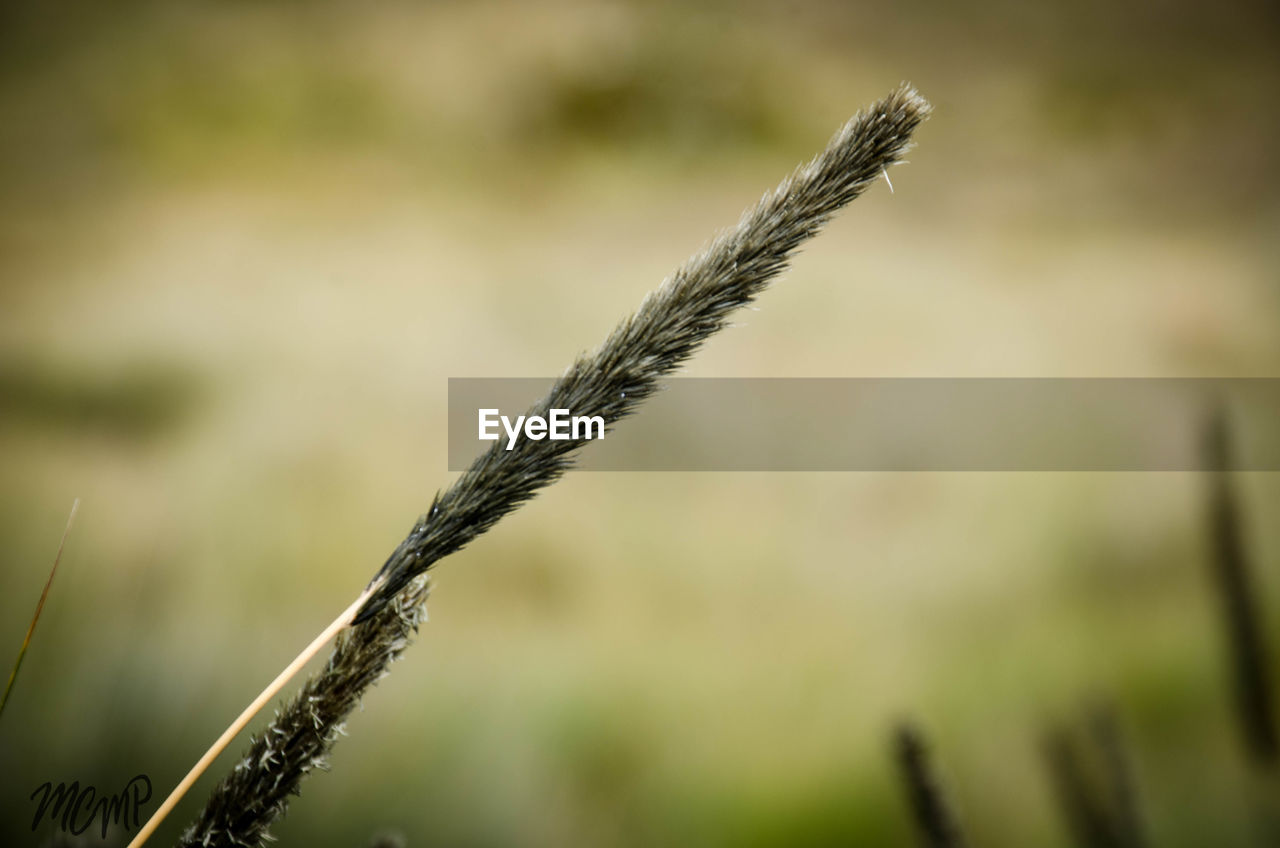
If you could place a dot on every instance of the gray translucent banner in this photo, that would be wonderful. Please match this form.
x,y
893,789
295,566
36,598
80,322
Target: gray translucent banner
x,y
714,424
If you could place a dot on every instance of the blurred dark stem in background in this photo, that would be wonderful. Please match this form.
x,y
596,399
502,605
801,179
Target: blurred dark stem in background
x,y
935,822
1089,771
1250,658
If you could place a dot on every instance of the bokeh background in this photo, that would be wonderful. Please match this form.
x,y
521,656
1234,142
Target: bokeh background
x,y
243,246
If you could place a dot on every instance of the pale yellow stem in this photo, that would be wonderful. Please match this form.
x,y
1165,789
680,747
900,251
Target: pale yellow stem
x,y
250,711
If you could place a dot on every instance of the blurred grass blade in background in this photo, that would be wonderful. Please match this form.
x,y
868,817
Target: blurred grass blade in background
x,y
1250,658
1092,778
44,595
1085,806
1117,773
935,821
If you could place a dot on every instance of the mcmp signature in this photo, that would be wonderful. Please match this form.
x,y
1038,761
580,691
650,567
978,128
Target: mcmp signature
x,y
80,807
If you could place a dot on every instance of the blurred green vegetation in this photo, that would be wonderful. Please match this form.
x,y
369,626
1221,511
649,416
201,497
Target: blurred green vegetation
x,y
138,403
242,246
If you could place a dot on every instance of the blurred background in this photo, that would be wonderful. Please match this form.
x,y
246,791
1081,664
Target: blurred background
x,y
243,246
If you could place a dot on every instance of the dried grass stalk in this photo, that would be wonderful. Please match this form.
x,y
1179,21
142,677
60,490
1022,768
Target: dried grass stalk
x,y
668,327
257,790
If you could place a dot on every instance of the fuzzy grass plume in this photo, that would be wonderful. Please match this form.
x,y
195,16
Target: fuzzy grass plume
x,y
671,323
669,326
257,790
